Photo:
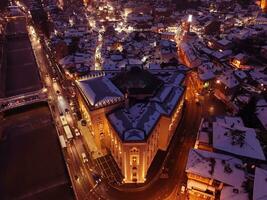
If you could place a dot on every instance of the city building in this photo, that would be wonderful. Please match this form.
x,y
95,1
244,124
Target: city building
x,y
222,44
215,176
133,126
261,112
122,77
226,86
97,95
260,180
187,55
239,60
228,135
264,6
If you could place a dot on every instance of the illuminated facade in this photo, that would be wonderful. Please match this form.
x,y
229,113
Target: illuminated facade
x,y
131,134
213,176
264,6
94,110
134,149
239,61
187,56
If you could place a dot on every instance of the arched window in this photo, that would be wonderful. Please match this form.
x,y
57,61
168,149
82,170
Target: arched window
x,y
134,150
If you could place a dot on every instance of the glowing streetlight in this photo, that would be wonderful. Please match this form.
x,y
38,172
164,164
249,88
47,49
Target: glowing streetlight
x,y
211,109
190,17
71,21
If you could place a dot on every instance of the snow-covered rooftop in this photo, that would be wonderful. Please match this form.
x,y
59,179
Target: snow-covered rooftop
x,y
223,168
137,121
206,71
260,182
99,91
189,51
259,75
224,42
176,79
240,74
230,121
237,140
229,79
229,192
261,112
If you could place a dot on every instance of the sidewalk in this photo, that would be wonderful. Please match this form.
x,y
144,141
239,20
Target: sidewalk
x,y
89,138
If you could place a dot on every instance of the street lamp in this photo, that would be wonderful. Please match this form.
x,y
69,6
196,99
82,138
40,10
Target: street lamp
x,y
44,90
190,17
211,109
189,21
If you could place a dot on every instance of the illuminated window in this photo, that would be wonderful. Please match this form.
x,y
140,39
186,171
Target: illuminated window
x,y
134,150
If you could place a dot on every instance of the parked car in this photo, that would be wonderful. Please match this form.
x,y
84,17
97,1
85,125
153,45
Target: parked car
x,y
84,157
77,132
182,189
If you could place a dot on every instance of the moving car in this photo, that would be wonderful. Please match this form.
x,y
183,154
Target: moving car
x,y
84,157
183,189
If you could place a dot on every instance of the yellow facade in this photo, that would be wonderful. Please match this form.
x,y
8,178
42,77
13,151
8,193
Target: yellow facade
x,y
264,5
96,120
133,158
198,186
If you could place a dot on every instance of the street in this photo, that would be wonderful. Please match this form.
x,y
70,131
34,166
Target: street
x,y
82,181
84,185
